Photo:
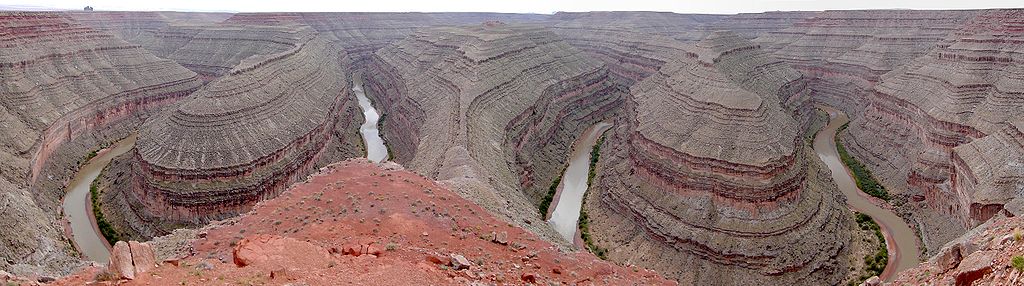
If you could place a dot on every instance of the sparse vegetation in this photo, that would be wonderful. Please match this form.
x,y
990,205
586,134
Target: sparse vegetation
x,y
865,181
1018,263
106,229
874,264
545,203
391,246
584,222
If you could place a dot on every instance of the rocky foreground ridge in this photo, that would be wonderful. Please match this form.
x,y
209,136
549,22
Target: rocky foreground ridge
x,y
367,224
66,89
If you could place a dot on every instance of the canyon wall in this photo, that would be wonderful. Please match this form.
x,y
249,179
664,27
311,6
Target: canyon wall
x,y
363,33
66,89
491,109
132,26
213,50
706,178
944,130
240,139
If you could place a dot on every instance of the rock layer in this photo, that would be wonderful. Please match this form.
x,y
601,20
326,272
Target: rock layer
x,y
947,125
65,89
706,179
240,139
493,109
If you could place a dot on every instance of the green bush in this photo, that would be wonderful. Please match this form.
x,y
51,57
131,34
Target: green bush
x,y
865,181
106,229
584,222
1018,263
874,264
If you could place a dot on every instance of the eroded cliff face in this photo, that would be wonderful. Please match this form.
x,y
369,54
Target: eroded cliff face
x,y
213,50
238,140
360,34
944,129
133,26
491,109
982,256
66,88
706,179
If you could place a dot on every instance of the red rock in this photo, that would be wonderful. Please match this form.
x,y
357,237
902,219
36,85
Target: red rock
x,y
438,260
121,261
529,278
949,258
556,270
974,267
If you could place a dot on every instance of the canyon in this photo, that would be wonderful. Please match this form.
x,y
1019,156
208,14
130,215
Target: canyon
x,y
706,173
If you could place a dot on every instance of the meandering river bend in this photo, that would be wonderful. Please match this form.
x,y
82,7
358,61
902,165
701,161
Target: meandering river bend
x,y
375,149
78,207
569,199
899,237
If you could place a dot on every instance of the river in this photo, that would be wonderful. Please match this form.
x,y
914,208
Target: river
x,y
569,197
375,149
900,238
78,207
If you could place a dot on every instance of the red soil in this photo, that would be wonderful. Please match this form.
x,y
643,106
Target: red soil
x,y
355,206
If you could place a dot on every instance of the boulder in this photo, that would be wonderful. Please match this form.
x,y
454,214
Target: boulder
x,y
143,257
460,262
873,281
949,258
974,267
121,261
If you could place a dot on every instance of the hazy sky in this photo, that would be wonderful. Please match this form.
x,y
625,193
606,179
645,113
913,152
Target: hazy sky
x,y
516,6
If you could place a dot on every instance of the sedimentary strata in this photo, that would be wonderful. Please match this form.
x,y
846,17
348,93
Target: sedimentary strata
x,y
492,108
363,33
983,256
213,50
66,88
945,128
706,179
135,25
240,139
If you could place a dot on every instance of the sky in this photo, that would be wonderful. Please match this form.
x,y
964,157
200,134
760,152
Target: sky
x,y
516,6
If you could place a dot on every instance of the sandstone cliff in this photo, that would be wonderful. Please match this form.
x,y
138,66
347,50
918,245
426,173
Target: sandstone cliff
x,y
131,26
65,88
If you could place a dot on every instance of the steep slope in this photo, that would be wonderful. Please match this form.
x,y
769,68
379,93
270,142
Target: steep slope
x,y
944,130
705,178
365,224
844,52
65,89
491,109
240,139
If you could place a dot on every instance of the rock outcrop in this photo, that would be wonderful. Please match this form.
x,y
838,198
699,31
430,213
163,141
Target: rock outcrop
x,y
65,88
130,259
414,224
706,179
493,109
240,139
983,256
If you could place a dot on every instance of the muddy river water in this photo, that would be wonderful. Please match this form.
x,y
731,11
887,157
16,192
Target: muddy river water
x,y
900,238
78,207
375,149
569,199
